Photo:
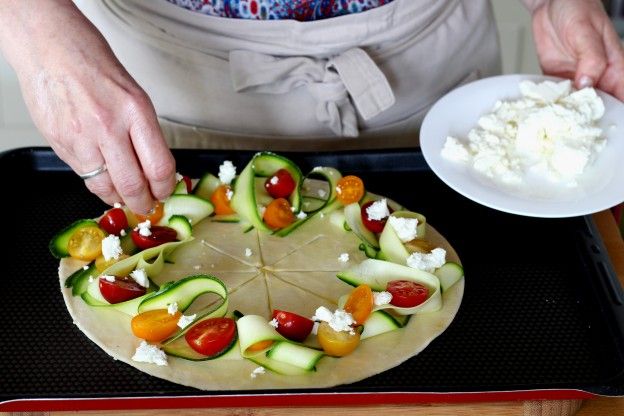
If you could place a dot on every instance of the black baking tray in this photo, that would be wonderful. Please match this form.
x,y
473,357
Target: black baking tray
x,y
543,309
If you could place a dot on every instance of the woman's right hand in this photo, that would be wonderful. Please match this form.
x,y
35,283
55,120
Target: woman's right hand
x,y
84,102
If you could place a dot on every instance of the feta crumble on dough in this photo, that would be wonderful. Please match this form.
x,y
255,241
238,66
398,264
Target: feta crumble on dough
x,y
550,133
186,320
227,172
378,210
344,257
427,261
147,353
339,320
382,298
172,308
144,228
111,247
405,228
140,277
248,252
258,371
273,322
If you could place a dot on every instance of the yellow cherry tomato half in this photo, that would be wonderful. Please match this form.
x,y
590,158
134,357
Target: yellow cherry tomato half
x,y
278,214
101,264
360,303
155,325
337,343
220,200
259,346
154,215
349,189
86,243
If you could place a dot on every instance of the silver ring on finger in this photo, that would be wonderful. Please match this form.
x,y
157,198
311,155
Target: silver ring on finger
x,y
93,173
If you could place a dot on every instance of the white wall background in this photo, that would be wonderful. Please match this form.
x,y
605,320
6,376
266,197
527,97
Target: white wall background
x,y
17,129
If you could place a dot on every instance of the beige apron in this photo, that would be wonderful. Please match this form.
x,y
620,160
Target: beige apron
x,y
363,80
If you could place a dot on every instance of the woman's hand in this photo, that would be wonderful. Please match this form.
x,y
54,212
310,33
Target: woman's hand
x,y
85,103
575,39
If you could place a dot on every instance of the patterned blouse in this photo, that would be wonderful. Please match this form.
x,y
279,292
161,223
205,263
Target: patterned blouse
x,y
302,10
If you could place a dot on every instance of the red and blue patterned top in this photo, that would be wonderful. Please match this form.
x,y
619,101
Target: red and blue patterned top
x,y
302,10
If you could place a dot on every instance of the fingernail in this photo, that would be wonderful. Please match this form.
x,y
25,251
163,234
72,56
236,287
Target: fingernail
x,y
585,82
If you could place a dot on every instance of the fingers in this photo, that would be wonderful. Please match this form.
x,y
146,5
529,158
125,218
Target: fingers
x,y
156,159
125,173
613,79
590,51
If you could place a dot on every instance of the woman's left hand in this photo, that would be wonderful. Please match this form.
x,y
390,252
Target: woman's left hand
x,y
575,39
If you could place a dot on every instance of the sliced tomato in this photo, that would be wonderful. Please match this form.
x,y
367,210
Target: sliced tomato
x,y
337,343
349,189
278,214
375,226
159,235
113,221
220,200
154,215
86,243
121,289
293,326
211,336
155,325
280,185
407,294
188,183
360,303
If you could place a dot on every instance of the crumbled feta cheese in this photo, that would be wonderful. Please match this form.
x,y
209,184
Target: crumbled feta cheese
x,y
382,298
122,233
140,277
85,267
108,278
117,205
229,194
90,279
257,371
227,172
197,267
179,177
144,228
340,320
338,190
344,257
405,228
172,308
322,193
147,353
378,210
551,133
274,180
315,328
301,215
185,320
427,261
111,247
273,322
248,252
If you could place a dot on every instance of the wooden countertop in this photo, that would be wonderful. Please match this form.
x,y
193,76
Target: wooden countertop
x,y
601,406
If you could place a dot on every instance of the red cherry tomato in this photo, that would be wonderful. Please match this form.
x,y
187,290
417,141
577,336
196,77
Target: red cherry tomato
x,y
212,336
293,326
121,290
280,185
159,235
407,294
188,183
375,226
114,221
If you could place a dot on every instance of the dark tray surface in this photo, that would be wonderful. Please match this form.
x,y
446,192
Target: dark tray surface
x,y
532,317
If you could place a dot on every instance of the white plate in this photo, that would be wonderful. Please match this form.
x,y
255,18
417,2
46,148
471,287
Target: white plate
x,y
455,114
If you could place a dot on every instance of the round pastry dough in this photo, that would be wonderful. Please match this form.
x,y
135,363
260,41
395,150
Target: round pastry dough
x,y
296,273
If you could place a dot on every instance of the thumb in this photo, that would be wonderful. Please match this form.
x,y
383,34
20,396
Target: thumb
x,y
588,47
